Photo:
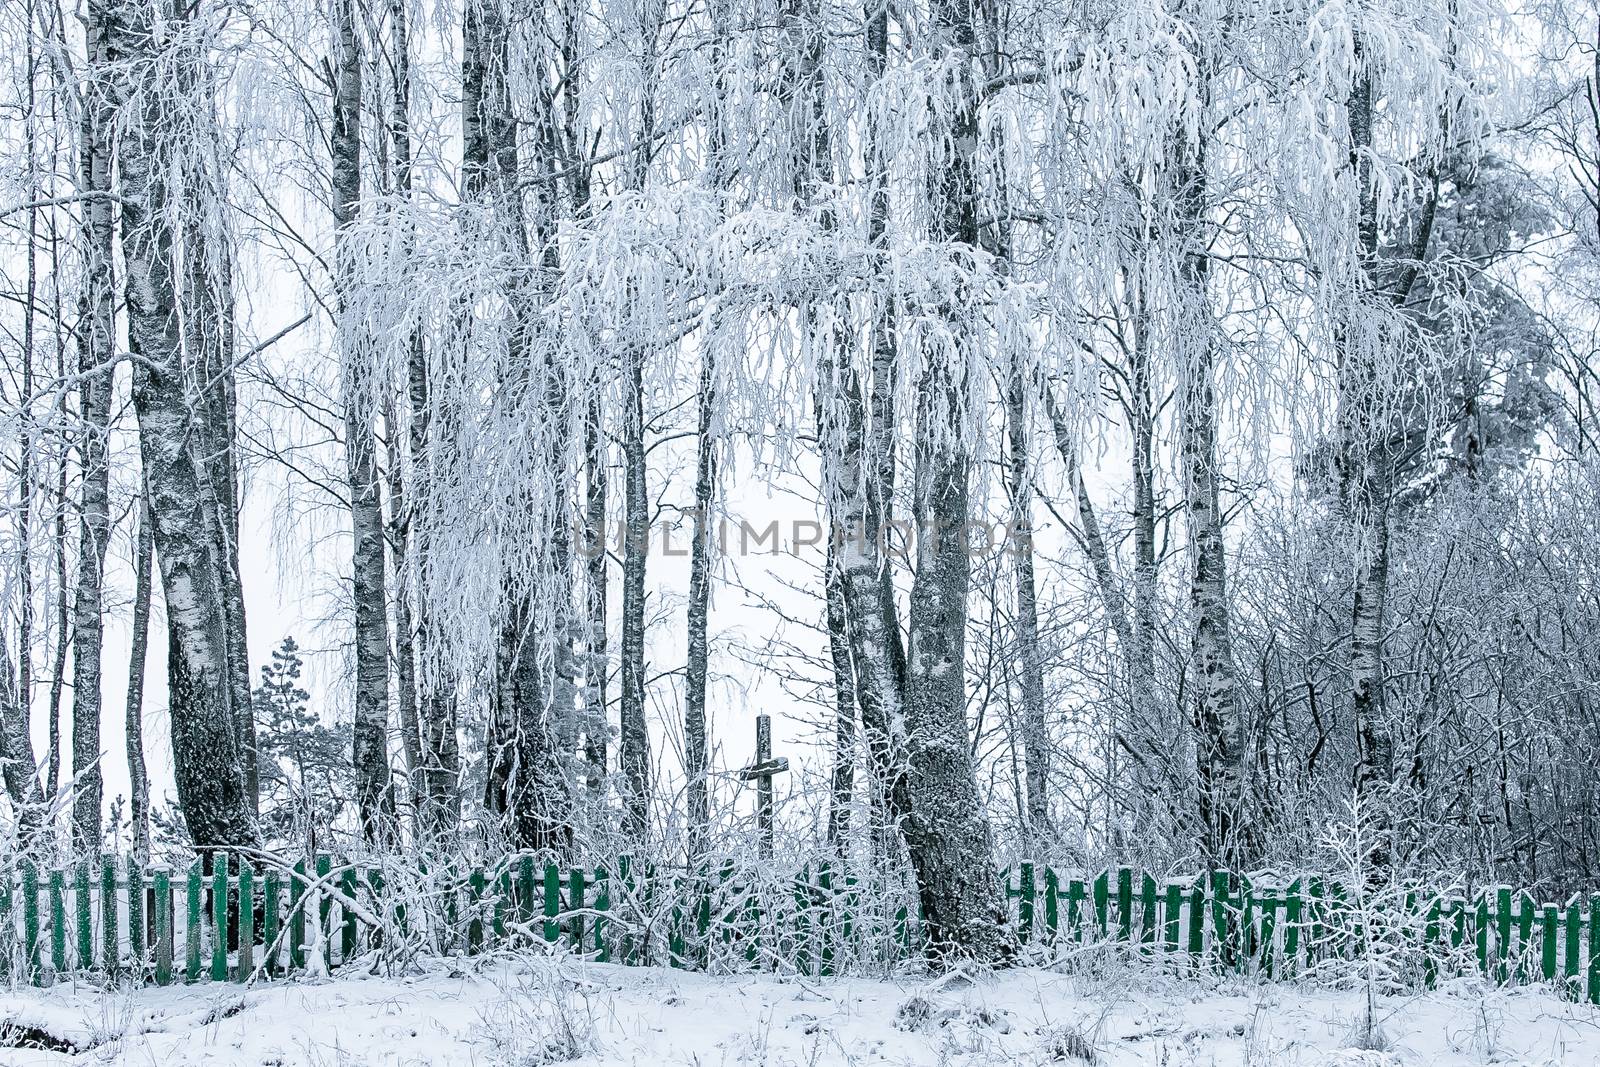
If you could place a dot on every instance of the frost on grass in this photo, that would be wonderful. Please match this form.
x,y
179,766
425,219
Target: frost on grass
x,y
540,1016
534,1013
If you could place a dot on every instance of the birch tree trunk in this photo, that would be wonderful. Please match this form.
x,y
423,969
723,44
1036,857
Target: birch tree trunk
x,y
375,802
842,788
1365,491
596,730
696,767
694,686
96,358
208,764
138,775
18,770
1217,718
858,464
634,754
596,475
398,521
208,336
1030,669
63,620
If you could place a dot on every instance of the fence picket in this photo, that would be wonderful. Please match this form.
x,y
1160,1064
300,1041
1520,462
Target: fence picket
x,y
1548,925
324,909
219,917
191,924
1221,946
552,901
271,921
247,921
1197,918
476,882
347,926
136,916
1052,902
163,917
1270,929
825,900
297,917
1124,904
58,922
82,910
1101,896
575,890
602,904
30,918
1077,895
1268,905
1147,909
1172,916
1293,915
1025,899
1594,948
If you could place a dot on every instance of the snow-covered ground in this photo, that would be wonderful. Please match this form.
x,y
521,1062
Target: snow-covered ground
x,y
527,1013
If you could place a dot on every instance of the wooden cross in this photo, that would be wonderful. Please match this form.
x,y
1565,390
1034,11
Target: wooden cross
x,y
761,772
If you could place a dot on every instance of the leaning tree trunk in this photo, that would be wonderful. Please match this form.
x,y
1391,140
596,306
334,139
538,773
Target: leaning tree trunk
x,y
208,765
375,802
96,358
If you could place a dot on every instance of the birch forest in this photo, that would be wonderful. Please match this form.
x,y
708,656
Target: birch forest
x,y
1090,431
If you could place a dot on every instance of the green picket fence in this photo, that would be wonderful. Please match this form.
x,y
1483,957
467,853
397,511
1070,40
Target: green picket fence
x,y
239,920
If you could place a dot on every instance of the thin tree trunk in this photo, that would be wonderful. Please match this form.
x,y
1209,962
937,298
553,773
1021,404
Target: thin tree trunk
x,y
842,789
138,776
437,769
634,756
596,730
405,637
1366,472
595,723
21,724
63,633
375,803
694,703
96,357
1030,668
1217,719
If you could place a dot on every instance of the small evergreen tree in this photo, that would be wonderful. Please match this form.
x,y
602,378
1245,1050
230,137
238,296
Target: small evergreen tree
x,y
305,764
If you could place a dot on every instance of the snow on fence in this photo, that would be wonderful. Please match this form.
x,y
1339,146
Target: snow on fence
x,y
190,926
